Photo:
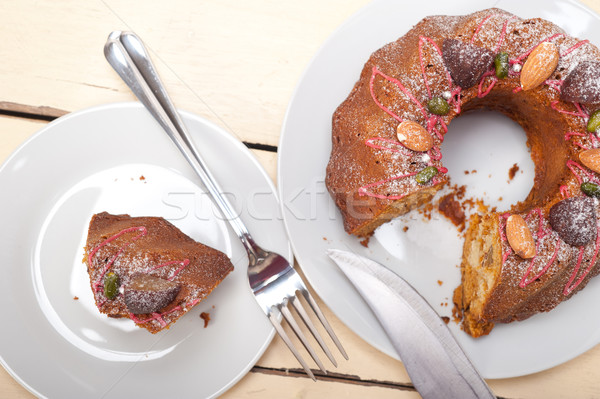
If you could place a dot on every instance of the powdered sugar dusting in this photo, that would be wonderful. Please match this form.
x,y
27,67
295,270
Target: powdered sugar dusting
x,y
583,83
574,219
547,257
364,127
159,255
467,63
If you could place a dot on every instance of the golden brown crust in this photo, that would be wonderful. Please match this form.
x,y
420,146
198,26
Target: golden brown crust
x,y
127,245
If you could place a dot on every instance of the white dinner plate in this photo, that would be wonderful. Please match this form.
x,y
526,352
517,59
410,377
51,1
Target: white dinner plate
x,y
115,158
428,253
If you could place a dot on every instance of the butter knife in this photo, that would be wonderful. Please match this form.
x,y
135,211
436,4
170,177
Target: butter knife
x,y
435,362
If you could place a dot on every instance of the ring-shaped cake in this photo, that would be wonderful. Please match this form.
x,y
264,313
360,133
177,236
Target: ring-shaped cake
x,y
386,158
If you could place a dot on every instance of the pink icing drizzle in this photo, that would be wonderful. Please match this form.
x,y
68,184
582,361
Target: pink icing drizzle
x,y
520,58
568,135
396,146
575,47
564,192
159,316
400,86
591,136
482,93
480,26
572,165
142,232
555,84
525,282
433,121
423,39
570,286
364,189
580,111
503,33
541,233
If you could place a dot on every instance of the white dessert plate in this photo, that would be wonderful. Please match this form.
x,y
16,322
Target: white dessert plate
x,y
115,158
424,248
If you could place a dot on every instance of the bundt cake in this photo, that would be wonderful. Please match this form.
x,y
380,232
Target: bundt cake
x,y
146,269
386,158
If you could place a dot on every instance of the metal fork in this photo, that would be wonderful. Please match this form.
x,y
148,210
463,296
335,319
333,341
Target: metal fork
x,y
273,280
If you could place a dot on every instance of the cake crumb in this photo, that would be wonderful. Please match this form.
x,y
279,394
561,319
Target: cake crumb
x,y
459,192
457,310
426,210
452,209
513,171
142,178
440,282
206,317
75,298
405,229
446,319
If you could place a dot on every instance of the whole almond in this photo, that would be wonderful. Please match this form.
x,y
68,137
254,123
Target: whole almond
x,y
414,136
519,237
539,65
591,159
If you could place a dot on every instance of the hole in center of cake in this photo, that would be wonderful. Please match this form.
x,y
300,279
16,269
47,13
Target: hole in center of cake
x,y
487,153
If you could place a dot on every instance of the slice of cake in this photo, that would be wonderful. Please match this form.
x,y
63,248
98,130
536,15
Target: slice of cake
x,y
146,269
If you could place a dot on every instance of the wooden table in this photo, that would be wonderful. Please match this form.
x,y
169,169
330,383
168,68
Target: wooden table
x,y
235,63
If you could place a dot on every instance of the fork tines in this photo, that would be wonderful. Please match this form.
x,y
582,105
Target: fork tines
x,y
295,301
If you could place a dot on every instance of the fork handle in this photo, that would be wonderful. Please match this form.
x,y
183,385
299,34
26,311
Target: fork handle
x,y
128,56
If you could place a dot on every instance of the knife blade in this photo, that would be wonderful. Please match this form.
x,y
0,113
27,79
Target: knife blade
x,y
435,362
